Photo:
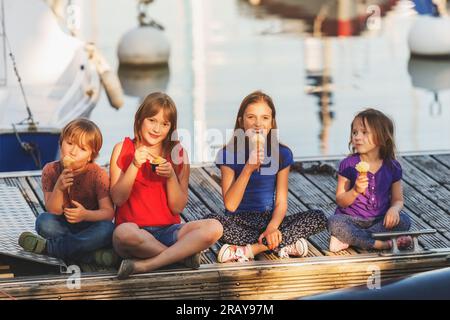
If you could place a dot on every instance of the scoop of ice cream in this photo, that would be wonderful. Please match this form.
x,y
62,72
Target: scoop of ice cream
x,y
362,167
158,160
68,162
258,138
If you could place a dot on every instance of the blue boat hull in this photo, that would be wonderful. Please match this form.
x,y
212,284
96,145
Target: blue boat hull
x,y
14,158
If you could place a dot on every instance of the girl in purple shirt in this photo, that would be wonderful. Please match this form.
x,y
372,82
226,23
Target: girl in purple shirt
x,y
372,202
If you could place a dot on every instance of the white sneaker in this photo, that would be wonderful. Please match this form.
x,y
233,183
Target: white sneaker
x,y
337,245
297,249
230,253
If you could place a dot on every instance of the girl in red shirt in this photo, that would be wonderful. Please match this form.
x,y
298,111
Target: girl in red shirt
x,y
150,198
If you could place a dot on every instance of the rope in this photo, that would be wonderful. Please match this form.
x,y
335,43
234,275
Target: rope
x,y
142,17
30,148
30,119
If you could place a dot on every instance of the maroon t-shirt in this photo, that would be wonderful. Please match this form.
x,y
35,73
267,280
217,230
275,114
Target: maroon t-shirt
x,y
88,187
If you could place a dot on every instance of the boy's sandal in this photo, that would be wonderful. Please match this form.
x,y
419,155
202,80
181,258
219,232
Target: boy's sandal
x,y
32,243
106,258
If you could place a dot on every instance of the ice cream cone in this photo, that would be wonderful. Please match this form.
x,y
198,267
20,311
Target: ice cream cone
x,y
156,162
68,162
362,167
258,141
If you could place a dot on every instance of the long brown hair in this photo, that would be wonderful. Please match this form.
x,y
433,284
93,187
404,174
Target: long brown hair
x,y
254,97
151,105
383,131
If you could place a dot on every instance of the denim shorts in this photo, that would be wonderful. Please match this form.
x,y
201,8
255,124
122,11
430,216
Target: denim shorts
x,y
167,235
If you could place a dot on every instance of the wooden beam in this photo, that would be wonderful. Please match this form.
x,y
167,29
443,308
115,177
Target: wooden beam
x,y
252,280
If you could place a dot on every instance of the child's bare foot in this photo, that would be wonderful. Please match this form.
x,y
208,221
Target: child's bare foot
x,y
337,245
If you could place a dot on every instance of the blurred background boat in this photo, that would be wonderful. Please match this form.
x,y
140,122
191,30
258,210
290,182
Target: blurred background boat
x,y
47,78
430,33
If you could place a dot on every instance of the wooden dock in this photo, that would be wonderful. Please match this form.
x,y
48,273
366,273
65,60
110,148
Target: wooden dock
x,y
426,183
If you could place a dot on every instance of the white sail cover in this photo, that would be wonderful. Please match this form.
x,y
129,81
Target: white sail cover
x,y
49,63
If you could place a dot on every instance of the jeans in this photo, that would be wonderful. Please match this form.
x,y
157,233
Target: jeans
x,y
357,231
76,241
166,235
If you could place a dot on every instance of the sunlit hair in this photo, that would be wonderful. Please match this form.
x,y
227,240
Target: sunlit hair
x,y
382,128
254,97
151,106
84,133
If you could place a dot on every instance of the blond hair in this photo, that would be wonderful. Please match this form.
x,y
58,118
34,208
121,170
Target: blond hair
x,y
83,132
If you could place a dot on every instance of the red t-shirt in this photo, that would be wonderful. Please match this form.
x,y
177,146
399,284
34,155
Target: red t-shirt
x,y
147,204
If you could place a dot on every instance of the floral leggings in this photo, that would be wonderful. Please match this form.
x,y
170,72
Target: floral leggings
x,y
245,228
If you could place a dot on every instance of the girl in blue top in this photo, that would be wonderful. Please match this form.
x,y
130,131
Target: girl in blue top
x,y
255,189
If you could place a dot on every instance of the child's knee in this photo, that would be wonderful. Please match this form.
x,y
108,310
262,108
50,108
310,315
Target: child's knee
x,y
49,226
127,234
405,222
213,230
336,224
105,230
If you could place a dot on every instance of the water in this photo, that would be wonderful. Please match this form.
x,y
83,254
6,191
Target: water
x,y
230,49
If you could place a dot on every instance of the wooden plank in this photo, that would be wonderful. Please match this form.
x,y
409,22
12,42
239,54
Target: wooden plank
x,y
314,198
36,184
444,159
196,210
27,192
294,206
426,185
425,214
432,168
5,272
250,281
206,189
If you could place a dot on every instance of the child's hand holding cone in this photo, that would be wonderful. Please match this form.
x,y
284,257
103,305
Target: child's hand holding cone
x,y
257,155
65,180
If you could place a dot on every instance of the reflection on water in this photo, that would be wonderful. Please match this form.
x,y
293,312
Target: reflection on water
x,y
319,80
433,76
223,50
140,81
333,17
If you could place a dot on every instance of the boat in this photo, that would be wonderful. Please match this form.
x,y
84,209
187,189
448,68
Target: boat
x,y
430,33
432,76
47,78
342,18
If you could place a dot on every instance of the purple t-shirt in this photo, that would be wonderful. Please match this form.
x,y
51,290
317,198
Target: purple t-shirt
x,y
377,198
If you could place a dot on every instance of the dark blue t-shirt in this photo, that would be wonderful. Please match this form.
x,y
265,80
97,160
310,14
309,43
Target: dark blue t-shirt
x,y
259,196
